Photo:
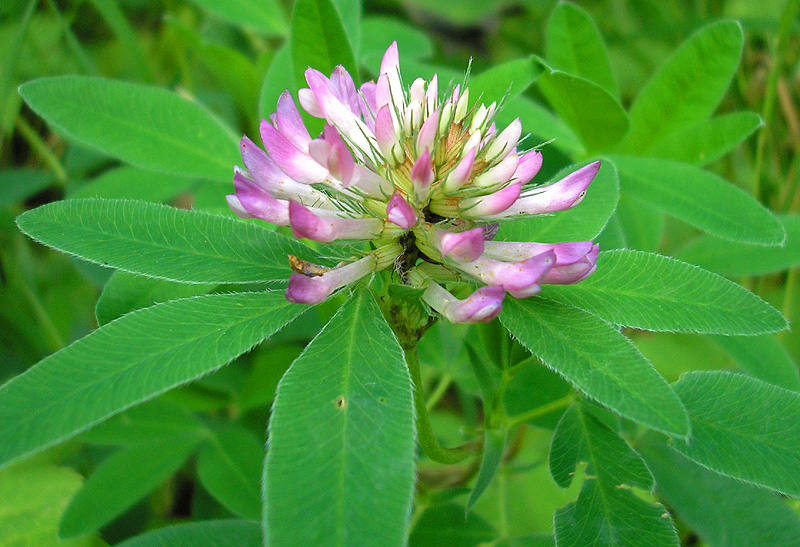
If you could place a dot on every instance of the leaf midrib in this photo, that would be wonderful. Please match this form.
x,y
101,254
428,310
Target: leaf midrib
x,y
685,199
610,374
101,114
180,251
30,416
346,377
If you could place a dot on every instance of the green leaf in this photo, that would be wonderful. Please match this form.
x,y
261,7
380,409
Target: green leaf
x,y
567,447
377,34
494,443
279,77
653,292
724,512
31,502
744,428
232,71
574,44
506,80
126,292
154,420
708,140
607,512
112,13
541,123
642,224
688,86
580,436
598,360
122,480
762,357
319,40
344,409
591,111
163,242
148,127
446,525
220,533
728,258
19,184
133,183
580,223
700,198
264,16
610,517
350,13
533,540
130,361
535,388
229,467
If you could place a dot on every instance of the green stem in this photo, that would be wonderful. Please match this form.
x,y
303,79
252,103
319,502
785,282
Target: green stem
x,y
543,410
52,336
41,148
72,41
416,515
438,393
784,29
427,440
503,504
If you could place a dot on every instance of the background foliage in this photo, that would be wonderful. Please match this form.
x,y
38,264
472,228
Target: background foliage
x,y
693,106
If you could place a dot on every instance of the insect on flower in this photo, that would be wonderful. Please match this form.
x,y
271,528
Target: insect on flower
x,y
424,177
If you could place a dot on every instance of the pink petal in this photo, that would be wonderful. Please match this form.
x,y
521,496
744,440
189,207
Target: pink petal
x,y
313,290
432,93
345,88
575,272
292,161
306,224
385,132
459,176
521,279
400,212
260,166
481,306
308,290
502,172
529,165
258,202
371,183
290,123
422,174
464,246
427,133
491,205
559,196
337,113
309,102
367,103
566,253
340,162
506,141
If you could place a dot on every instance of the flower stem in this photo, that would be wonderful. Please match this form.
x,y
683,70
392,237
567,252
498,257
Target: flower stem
x,y
438,393
427,440
543,410
784,29
41,148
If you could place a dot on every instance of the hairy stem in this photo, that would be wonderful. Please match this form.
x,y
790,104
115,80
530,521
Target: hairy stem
x,y
427,440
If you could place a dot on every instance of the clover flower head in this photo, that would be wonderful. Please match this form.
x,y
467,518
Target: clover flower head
x,y
423,176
